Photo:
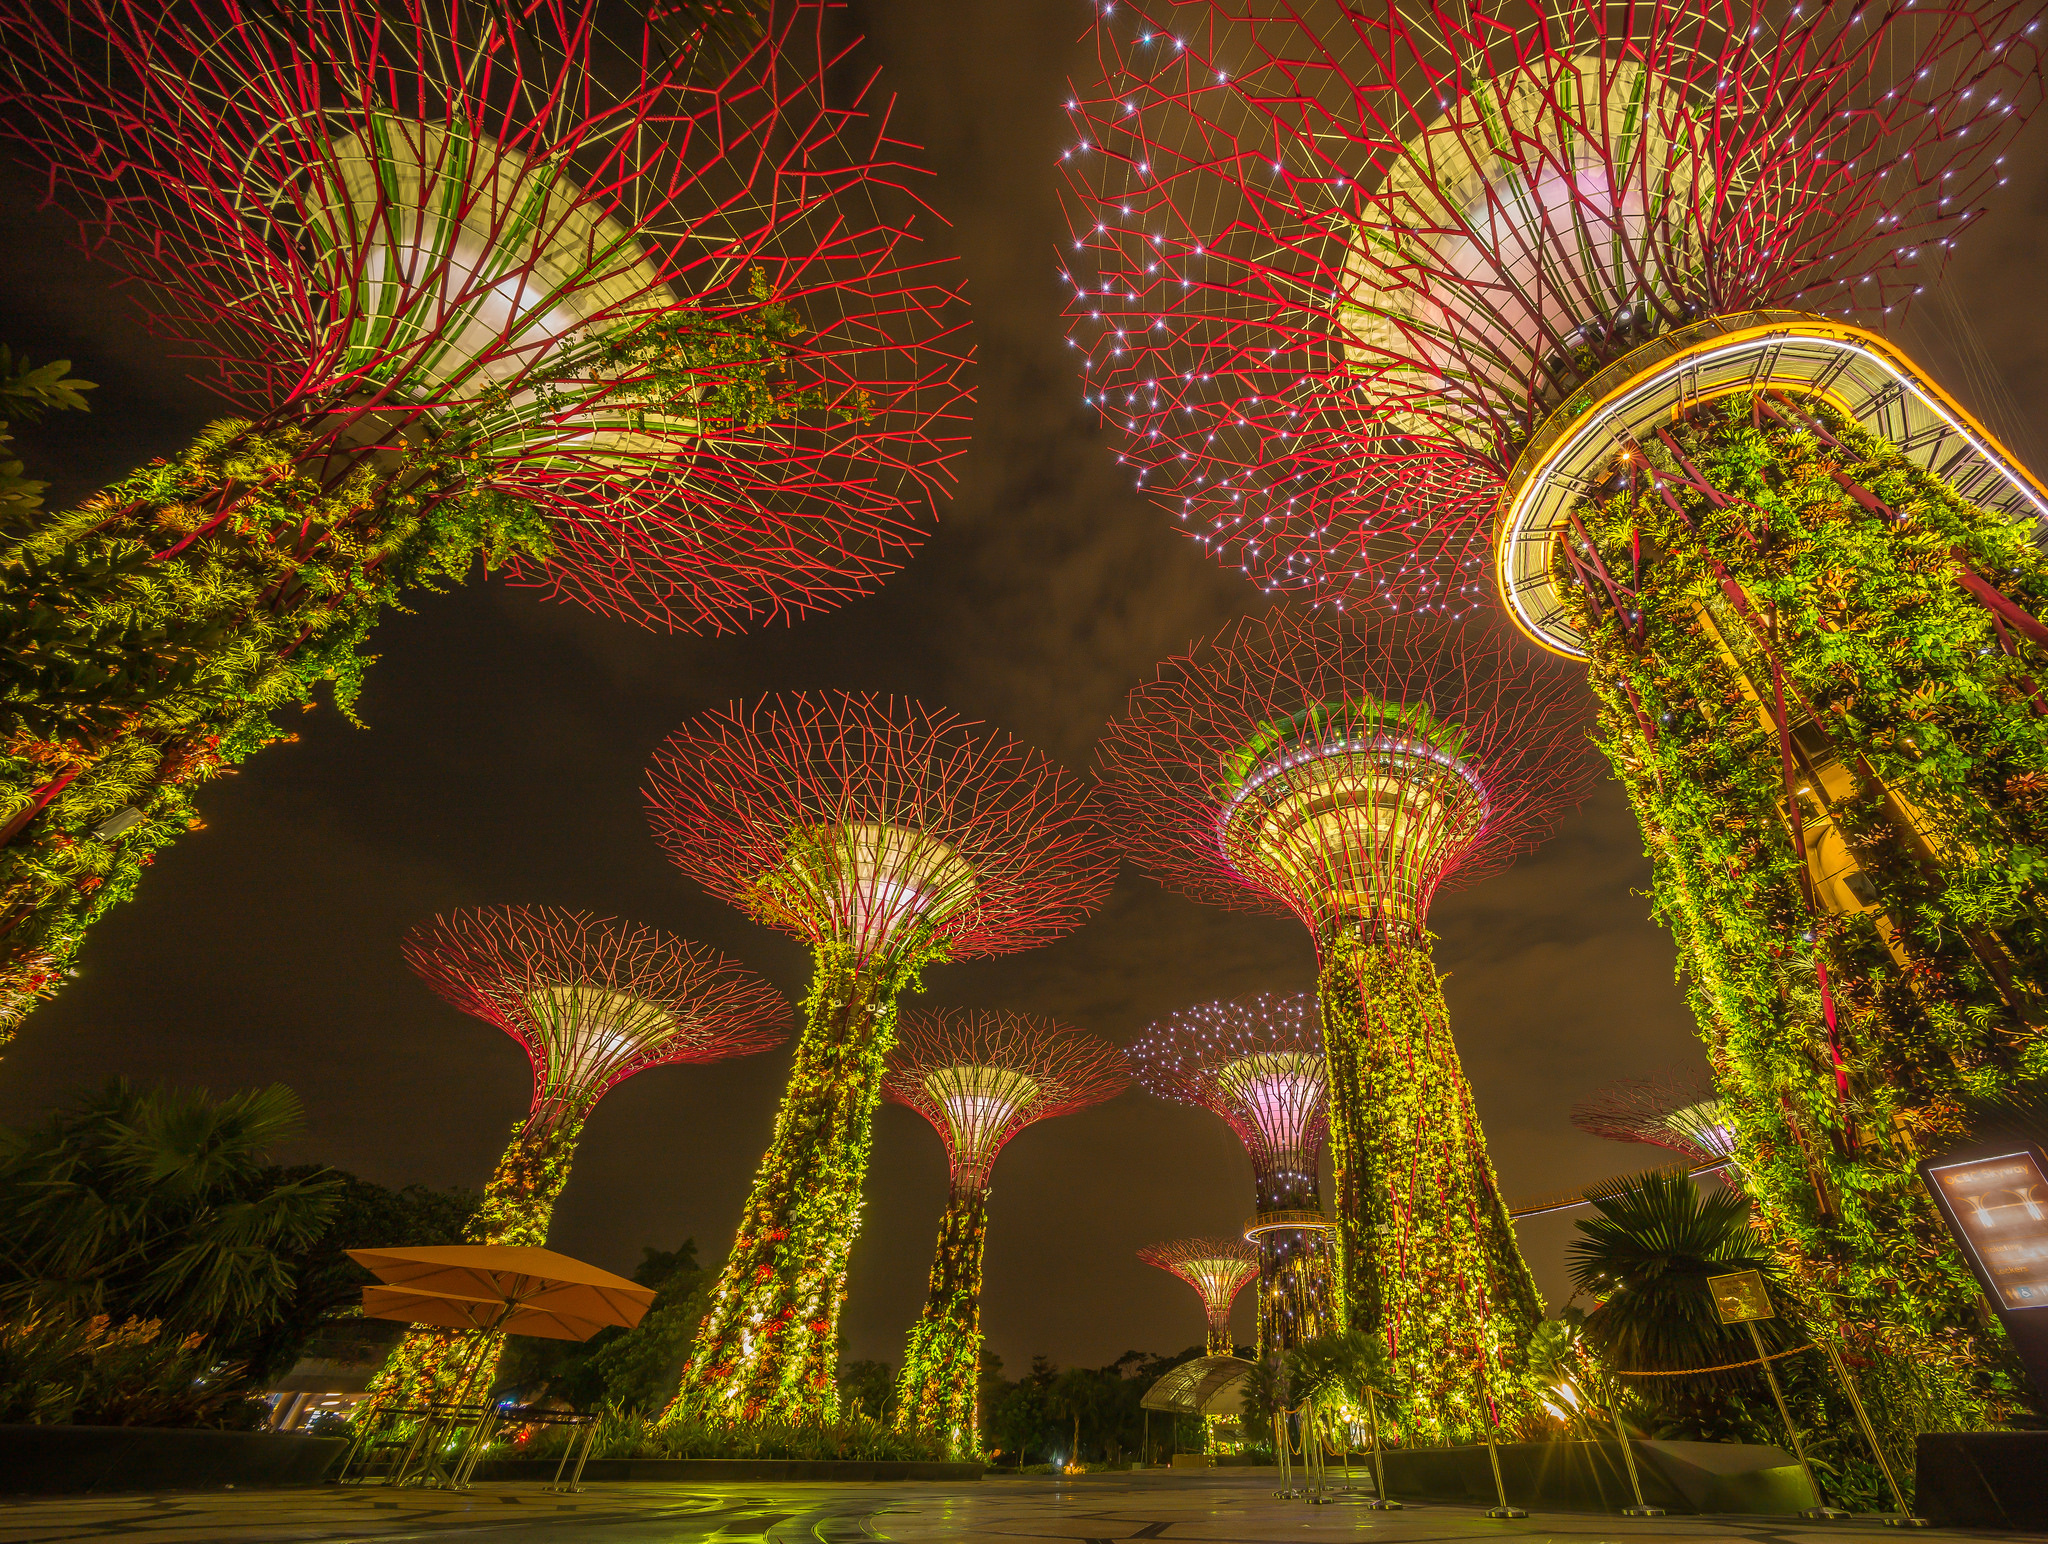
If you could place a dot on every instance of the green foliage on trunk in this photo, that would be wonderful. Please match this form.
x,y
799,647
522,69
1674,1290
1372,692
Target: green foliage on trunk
x,y
942,1362
1426,1252
1918,734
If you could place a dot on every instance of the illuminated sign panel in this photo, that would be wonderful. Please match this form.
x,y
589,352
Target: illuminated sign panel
x,y
2000,1207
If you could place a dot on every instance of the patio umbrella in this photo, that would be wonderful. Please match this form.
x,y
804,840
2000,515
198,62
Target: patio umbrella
x,y
499,1287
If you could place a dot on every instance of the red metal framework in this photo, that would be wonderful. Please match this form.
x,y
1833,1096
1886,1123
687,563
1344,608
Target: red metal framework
x,y
663,281
1344,769
866,822
982,1077
1217,1268
1257,1062
594,1001
1677,1109
1332,263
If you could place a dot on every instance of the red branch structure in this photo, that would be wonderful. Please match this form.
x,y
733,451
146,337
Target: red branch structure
x,y
887,836
1258,1063
873,824
1678,1110
1332,265
1210,777
667,280
1345,770
979,1078
1217,1268
592,1002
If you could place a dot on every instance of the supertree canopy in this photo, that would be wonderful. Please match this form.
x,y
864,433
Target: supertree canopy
x,y
1620,265
1674,1110
634,307
1344,771
979,1078
1258,1063
591,1002
1217,1268
887,837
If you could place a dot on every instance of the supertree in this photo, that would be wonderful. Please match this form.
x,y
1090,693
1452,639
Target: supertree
x,y
1676,1110
1217,1268
1616,271
1258,1063
1612,271
1343,771
887,837
632,306
979,1078
592,1002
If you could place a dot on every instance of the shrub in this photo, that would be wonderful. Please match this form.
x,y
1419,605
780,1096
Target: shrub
x,y
59,1369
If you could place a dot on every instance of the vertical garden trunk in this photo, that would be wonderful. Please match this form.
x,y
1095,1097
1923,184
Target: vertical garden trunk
x,y
1294,1283
942,1362
1791,617
1426,1250
158,625
434,1366
769,1347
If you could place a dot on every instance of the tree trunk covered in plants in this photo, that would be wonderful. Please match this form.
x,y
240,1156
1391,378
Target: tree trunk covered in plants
x,y
518,1207
151,632
1427,1253
942,1361
1799,618
769,1347
1294,1286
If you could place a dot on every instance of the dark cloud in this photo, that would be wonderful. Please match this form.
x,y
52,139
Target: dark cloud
x,y
504,759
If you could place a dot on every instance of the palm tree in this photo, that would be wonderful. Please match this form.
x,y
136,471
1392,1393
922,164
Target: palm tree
x,y
158,1204
1647,1257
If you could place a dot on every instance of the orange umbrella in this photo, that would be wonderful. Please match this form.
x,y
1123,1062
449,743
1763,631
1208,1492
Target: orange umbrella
x,y
499,1287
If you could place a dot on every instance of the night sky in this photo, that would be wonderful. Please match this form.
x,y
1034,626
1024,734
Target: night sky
x,y
508,737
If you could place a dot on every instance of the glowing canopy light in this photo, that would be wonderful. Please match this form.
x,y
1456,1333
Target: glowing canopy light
x,y
1217,1268
1540,248
1281,1093
1333,265
982,1077
1364,764
1365,824
877,882
463,268
979,1103
1678,1110
592,1001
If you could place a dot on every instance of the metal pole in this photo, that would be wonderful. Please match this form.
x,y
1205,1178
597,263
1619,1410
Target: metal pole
x,y
1905,1517
1379,1502
1493,1449
1820,1507
1628,1453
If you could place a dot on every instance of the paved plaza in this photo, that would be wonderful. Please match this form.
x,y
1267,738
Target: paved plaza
x,y
1236,1507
